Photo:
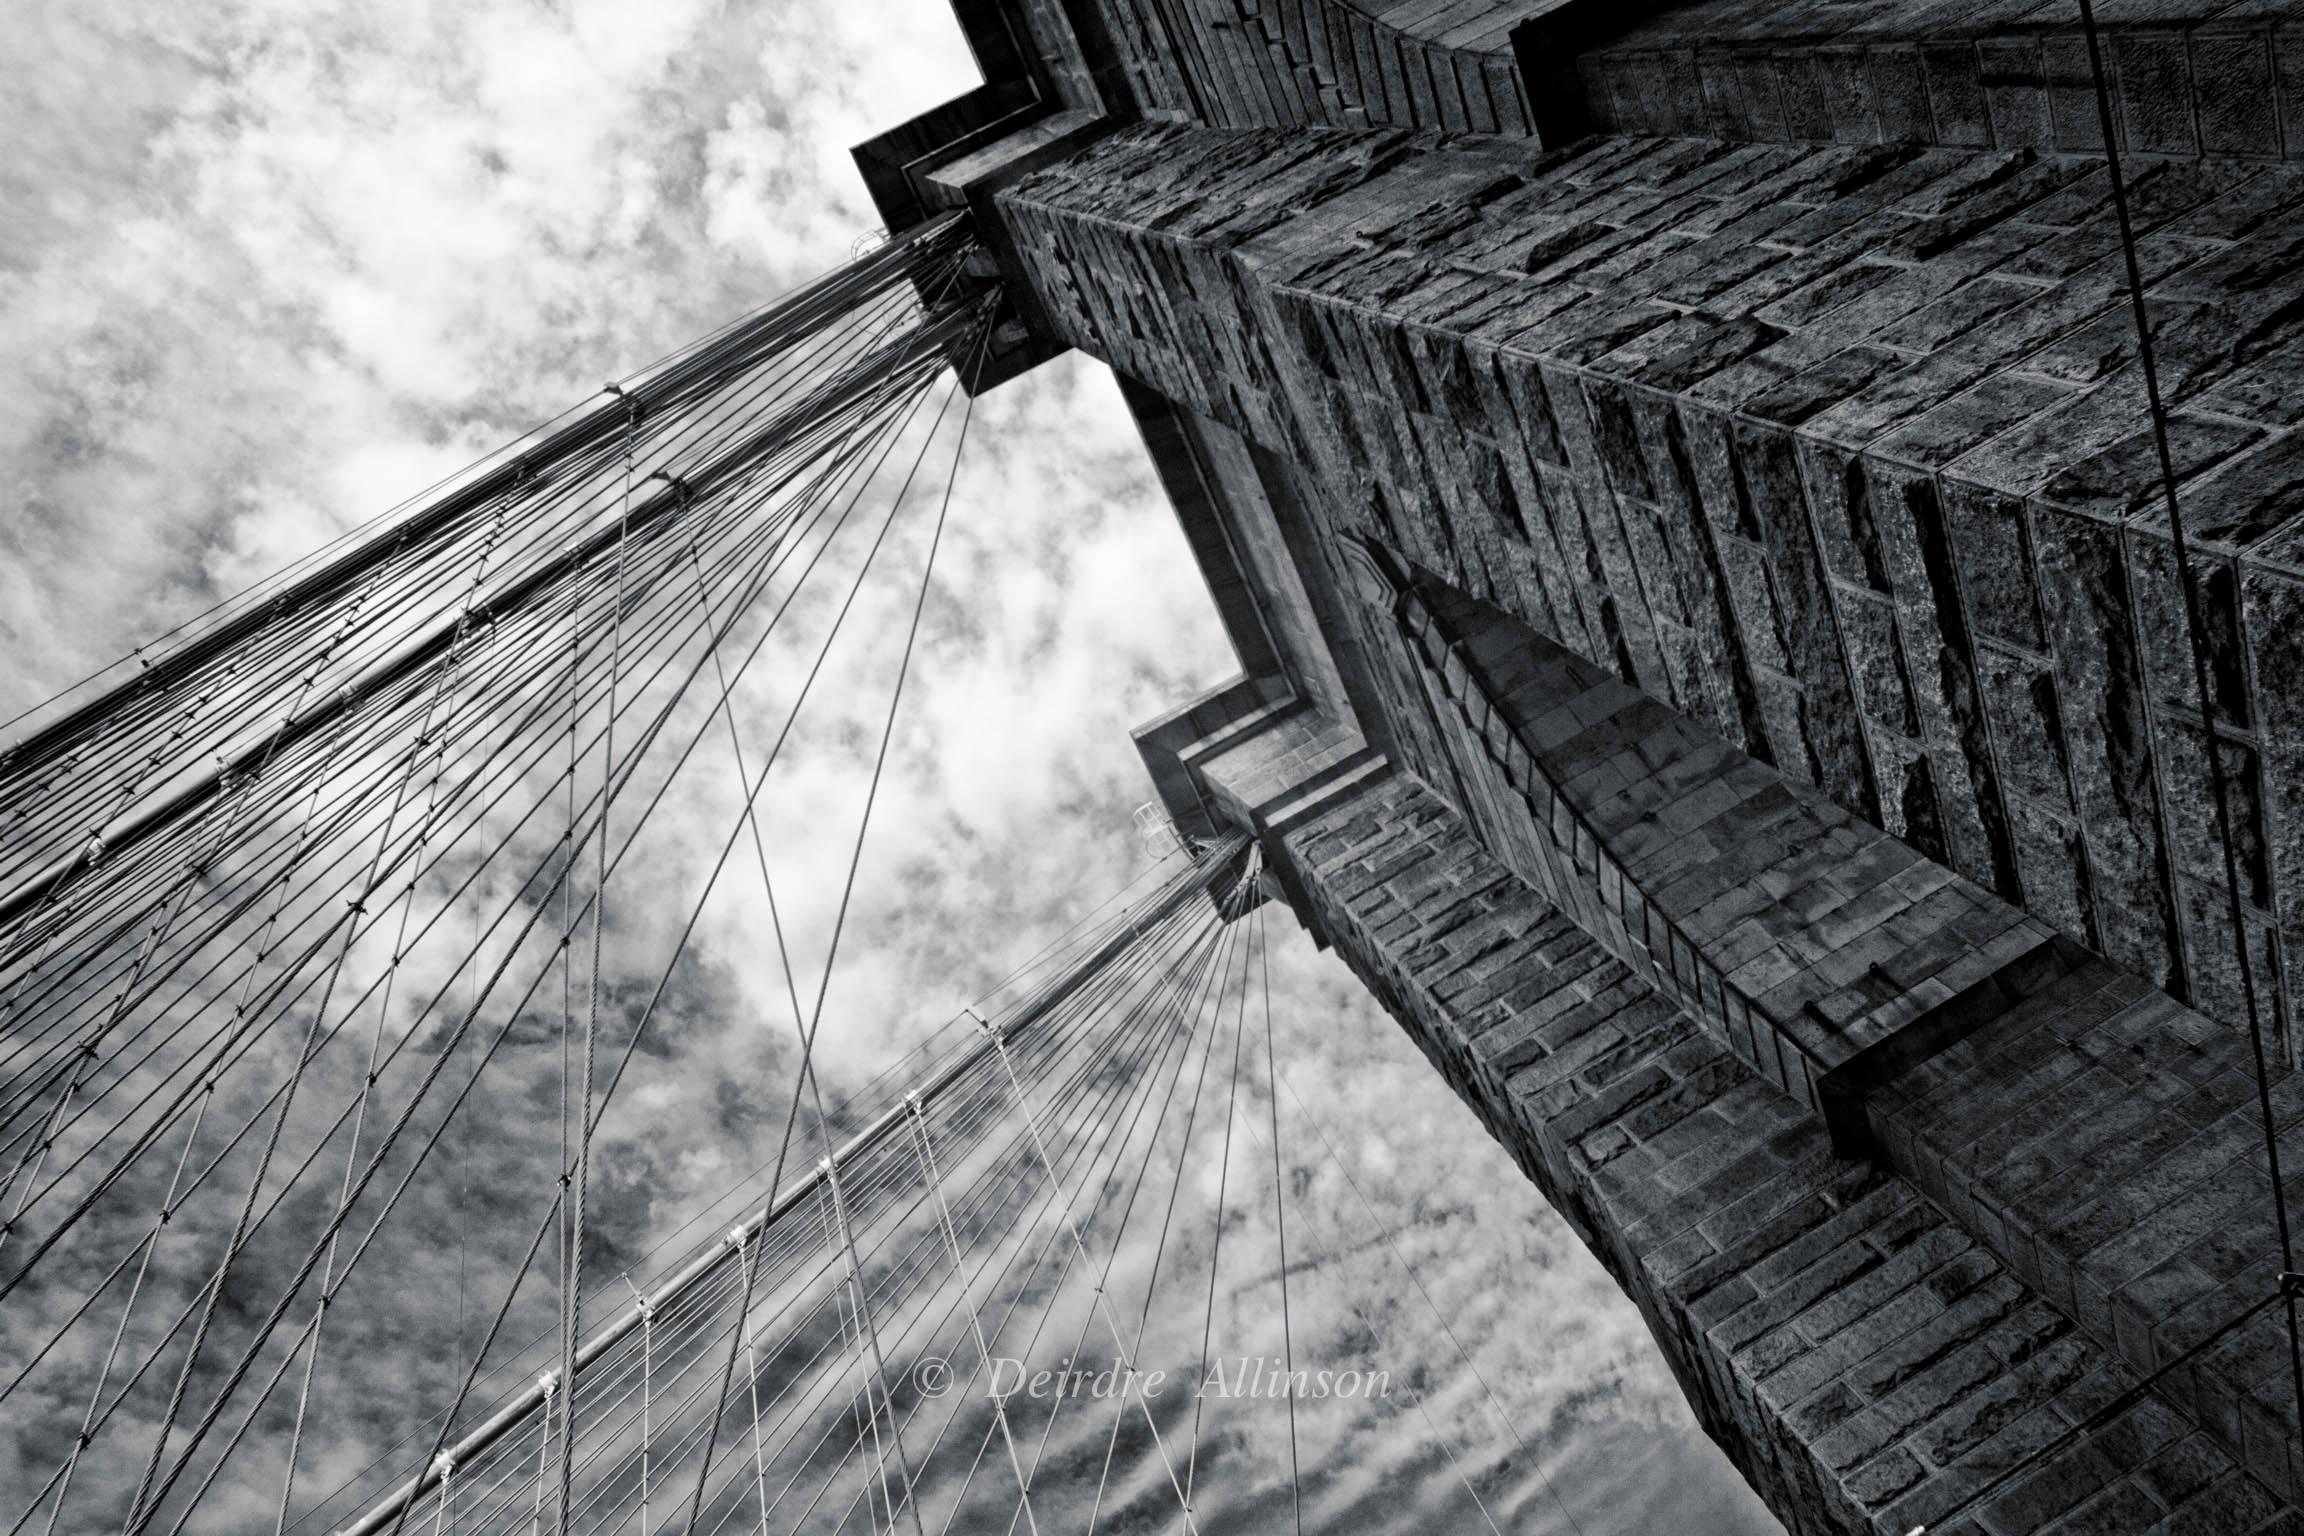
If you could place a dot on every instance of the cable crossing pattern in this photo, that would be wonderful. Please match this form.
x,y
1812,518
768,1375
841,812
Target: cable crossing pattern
x,y
286,897
336,922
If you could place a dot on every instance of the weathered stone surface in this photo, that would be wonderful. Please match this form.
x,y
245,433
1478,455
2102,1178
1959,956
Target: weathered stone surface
x,y
1863,1358
2009,74
1243,63
1890,547
2190,77
1790,604
2090,1131
1921,604
2105,1142
1819,950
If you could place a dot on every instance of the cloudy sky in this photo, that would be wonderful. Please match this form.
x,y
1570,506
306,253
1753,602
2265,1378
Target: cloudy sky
x,y
269,266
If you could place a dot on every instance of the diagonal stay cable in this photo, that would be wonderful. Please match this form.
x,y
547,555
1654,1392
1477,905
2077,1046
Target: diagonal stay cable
x,y
1121,925
648,1013
302,1273
572,1289
1157,1025
893,1149
708,721
1199,991
1154,1028
855,863
1216,1238
659,792
1213,1001
784,954
1392,1246
1280,1217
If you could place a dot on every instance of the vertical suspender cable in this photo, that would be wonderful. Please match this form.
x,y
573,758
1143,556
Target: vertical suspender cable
x,y
2197,634
856,857
807,1033
574,1301
1280,1218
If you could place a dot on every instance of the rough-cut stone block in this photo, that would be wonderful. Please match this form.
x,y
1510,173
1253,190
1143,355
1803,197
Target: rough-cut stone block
x,y
1859,1356
1862,512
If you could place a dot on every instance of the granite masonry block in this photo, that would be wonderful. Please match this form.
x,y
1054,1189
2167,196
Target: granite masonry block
x,y
1726,576
1861,1357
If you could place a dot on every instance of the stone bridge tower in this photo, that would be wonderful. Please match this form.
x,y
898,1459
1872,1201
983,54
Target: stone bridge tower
x,y
1680,483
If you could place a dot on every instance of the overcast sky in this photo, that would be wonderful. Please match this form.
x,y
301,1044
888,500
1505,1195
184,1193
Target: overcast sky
x,y
268,266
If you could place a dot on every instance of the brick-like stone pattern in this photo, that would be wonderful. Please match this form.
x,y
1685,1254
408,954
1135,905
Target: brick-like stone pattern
x,y
1296,63
1280,772
1839,451
1864,1361
1220,714
1824,953
2186,77
2103,1140
2107,1143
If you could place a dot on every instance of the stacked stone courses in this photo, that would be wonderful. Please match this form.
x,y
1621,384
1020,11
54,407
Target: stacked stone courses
x,y
2101,1139
2187,77
1839,451
2104,1142
1338,63
1810,942
1780,604
1869,1363
1713,660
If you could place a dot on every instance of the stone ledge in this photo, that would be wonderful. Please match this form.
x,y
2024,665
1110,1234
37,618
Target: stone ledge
x,y
1866,1362
2092,1132
1826,954
2106,1142
972,176
1832,449
1302,63
2182,84
1172,745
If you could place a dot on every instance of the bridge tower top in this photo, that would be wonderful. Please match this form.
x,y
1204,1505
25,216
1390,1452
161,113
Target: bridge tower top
x,y
1736,480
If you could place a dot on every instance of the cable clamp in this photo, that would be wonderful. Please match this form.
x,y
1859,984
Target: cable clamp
x,y
738,1237
548,1383
2291,1285
444,1466
631,402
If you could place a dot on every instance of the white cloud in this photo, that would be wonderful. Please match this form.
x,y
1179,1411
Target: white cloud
x,y
268,267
